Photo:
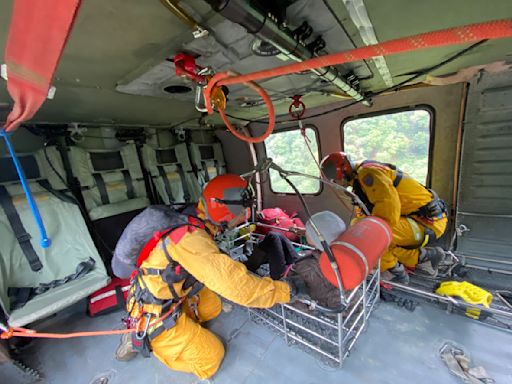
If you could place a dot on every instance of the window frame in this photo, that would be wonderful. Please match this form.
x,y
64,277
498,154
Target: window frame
x,y
417,107
319,150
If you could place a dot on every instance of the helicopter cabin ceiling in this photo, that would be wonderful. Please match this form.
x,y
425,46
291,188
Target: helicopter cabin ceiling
x,y
117,66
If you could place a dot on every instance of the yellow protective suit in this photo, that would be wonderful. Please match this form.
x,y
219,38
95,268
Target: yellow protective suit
x,y
395,205
188,346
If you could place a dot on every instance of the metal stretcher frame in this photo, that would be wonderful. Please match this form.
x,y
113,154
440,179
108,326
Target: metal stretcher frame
x,y
328,337
336,333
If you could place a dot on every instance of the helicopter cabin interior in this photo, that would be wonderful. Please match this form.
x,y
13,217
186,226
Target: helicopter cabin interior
x,y
126,122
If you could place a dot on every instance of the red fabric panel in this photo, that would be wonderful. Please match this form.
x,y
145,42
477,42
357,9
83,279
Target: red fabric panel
x,y
175,235
105,299
37,35
279,218
179,233
148,247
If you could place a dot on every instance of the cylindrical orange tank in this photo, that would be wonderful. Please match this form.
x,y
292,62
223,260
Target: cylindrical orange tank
x,y
369,238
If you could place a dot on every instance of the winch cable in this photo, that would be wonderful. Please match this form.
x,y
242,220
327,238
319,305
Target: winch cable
x,y
297,110
371,95
496,29
327,249
307,141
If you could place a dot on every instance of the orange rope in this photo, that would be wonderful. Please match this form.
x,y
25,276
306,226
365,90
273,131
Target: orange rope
x,y
459,35
497,29
21,332
266,98
24,332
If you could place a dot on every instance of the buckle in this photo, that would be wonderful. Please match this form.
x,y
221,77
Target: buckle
x,y
23,238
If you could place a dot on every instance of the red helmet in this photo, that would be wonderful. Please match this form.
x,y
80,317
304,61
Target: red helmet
x,y
226,197
337,166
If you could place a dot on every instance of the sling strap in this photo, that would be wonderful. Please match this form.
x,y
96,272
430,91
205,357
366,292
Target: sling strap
x,y
101,188
398,177
358,190
186,193
58,194
167,185
19,230
216,164
130,193
20,296
206,173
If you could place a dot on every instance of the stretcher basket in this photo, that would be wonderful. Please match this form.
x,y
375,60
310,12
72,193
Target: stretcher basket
x,y
329,337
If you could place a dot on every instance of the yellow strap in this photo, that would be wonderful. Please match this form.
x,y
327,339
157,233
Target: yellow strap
x,y
474,313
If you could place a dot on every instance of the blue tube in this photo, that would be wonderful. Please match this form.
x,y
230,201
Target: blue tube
x,y
45,240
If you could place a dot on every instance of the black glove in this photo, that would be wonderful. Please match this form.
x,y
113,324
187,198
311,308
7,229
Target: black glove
x,y
298,287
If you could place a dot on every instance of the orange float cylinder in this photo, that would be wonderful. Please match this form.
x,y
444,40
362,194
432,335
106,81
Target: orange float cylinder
x,y
369,238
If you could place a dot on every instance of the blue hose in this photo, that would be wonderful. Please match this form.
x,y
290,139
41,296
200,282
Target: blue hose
x,y
45,240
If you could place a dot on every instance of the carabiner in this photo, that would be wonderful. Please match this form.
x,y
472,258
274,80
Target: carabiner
x,y
199,99
138,334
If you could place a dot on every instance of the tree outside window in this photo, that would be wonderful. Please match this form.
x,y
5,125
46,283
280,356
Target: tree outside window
x,y
288,150
400,138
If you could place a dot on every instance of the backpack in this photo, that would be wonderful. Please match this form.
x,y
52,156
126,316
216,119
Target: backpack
x,y
142,234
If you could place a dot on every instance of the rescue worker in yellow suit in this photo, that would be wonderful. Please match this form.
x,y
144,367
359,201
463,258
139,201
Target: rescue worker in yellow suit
x,y
185,345
415,214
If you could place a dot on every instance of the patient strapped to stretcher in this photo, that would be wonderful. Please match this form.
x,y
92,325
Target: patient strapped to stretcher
x,y
279,253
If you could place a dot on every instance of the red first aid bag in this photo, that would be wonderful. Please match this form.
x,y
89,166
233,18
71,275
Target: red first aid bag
x,y
110,298
279,218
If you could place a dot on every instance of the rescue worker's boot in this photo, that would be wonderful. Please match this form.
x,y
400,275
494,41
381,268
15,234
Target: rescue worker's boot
x,y
429,260
125,351
396,274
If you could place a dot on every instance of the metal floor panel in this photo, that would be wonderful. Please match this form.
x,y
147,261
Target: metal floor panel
x,y
398,347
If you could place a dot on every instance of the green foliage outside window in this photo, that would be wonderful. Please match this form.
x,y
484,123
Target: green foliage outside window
x,y
289,151
400,138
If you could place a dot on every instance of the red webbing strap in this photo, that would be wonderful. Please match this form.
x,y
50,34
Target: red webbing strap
x,y
149,246
176,234
37,35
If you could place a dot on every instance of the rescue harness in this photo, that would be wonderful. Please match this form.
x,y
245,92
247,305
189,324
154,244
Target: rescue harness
x,y
144,306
